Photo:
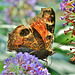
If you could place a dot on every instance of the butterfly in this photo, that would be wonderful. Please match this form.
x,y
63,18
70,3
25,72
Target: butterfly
x,y
36,39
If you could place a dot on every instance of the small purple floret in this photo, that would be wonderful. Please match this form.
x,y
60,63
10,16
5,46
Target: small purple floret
x,y
61,18
74,4
63,25
66,0
70,9
74,9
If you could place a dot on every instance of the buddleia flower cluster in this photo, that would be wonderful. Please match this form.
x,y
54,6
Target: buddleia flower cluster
x,y
69,16
68,6
18,10
23,64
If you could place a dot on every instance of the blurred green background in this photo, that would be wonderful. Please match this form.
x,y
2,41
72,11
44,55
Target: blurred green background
x,y
17,12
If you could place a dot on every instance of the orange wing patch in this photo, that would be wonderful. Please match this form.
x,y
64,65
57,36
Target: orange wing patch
x,y
41,28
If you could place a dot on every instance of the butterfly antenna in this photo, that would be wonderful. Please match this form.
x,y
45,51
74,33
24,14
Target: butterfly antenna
x,y
32,52
54,48
60,45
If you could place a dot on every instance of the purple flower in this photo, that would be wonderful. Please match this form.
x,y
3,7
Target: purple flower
x,y
69,17
62,6
31,2
63,24
23,64
70,9
74,4
74,9
61,18
7,20
66,0
9,1
32,14
13,2
19,10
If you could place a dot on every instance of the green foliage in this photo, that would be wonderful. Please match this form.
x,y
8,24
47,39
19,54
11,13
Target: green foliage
x,y
1,66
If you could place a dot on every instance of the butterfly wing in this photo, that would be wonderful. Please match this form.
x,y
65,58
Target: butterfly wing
x,y
43,31
49,16
44,24
38,38
22,37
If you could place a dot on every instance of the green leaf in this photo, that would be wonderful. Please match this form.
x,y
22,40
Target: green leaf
x,y
1,66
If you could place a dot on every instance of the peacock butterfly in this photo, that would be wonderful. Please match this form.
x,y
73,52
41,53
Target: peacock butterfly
x,y
36,39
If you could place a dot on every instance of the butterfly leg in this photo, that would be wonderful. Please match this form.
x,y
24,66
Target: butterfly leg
x,y
48,64
51,61
45,62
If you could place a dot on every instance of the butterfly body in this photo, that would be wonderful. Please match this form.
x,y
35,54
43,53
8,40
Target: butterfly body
x,y
38,38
